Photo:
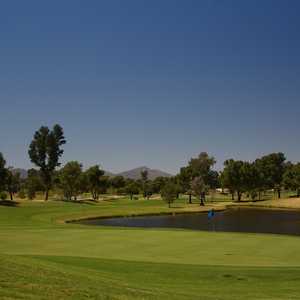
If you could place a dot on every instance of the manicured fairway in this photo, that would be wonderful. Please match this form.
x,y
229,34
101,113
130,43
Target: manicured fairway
x,y
43,258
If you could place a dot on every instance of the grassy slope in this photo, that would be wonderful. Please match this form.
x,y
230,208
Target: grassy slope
x,y
43,259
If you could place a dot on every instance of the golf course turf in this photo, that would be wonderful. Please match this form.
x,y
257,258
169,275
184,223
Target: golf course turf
x,y
42,257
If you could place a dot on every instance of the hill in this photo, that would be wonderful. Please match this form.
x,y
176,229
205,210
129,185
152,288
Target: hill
x,y
136,173
132,174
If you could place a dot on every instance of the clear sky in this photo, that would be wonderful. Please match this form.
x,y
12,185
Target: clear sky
x,y
151,83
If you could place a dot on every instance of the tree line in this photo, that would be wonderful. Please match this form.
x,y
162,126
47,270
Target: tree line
x,y
198,178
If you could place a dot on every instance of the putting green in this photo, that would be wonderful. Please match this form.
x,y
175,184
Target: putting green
x,y
45,259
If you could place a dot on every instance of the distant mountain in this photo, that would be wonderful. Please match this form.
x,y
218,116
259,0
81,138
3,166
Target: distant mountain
x,y
132,174
110,174
136,173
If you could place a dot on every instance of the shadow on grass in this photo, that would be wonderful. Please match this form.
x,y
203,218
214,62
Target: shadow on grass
x,y
9,203
87,201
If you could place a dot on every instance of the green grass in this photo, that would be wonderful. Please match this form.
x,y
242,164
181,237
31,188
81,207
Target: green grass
x,y
43,258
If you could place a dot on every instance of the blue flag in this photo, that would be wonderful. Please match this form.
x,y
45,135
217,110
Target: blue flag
x,y
211,213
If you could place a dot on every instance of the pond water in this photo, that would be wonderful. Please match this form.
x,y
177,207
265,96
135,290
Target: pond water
x,y
233,220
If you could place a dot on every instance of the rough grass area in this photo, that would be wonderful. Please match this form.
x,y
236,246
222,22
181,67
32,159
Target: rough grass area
x,y
43,258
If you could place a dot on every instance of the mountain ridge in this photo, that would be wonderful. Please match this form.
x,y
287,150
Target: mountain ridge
x,y
134,173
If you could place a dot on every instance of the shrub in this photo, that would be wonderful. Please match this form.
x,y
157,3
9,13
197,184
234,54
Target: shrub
x,y
22,194
3,196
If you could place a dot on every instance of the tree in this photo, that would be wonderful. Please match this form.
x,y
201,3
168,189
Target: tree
x,y
117,182
104,184
13,182
250,180
93,176
158,183
3,172
70,179
291,178
185,180
144,178
169,193
132,188
273,167
45,151
33,183
232,177
199,188
201,166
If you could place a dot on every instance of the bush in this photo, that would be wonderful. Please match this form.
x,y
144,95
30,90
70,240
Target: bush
x,y
22,195
3,196
31,194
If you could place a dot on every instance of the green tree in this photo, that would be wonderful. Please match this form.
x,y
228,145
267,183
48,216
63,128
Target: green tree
x,y
169,193
157,184
201,166
144,179
70,180
104,184
13,182
33,183
273,167
3,172
132,188
232,177
185,180
199,188
291,178
45,151
251,181
93,179
118,182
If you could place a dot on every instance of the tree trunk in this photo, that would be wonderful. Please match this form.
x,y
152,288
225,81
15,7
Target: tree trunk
x,y
47,195
239,196
232,196
11,196
279,193
131,196
202,198
190,198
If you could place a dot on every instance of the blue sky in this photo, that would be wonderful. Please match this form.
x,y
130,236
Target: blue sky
x,y
151,82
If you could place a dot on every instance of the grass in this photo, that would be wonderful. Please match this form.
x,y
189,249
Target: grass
x,y
43,258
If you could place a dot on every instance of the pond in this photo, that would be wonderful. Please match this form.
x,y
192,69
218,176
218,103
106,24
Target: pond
x,y
230,220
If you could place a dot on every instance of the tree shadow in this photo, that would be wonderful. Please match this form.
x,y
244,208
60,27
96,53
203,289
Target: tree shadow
x,y
9,203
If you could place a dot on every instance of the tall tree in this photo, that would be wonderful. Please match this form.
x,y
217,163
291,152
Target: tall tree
x,y
202,166
144,178
45,151
185,180
93,178
200,188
